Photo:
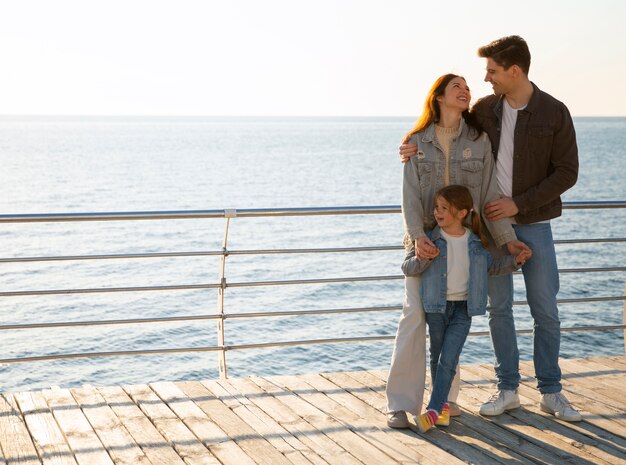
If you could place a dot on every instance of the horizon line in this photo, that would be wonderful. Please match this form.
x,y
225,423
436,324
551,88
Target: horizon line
x,y
109,115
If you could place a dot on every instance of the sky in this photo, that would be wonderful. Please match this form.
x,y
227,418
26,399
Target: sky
x,y
295,58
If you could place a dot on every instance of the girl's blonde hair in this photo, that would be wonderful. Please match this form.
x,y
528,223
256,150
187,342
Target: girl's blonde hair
x,y
460,198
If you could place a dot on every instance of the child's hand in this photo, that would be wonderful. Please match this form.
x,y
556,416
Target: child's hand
x,y
425,249
523,257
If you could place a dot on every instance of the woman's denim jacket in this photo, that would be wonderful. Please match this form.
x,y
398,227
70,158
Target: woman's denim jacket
x,y
471,165
434,274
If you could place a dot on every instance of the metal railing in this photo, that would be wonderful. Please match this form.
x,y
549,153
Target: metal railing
x,y
222,284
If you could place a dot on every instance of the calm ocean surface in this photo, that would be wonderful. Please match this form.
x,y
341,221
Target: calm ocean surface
x,y
58,165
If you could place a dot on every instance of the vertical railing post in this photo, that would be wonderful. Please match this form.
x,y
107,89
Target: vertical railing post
x,y
624,318
221,329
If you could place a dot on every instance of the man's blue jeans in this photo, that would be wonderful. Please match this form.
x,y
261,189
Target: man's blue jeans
x,y
448,332
542,285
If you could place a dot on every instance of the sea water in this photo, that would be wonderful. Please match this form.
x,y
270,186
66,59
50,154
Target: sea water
x,y
109,164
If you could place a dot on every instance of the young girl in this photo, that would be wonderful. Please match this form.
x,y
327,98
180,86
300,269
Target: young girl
x,y
453,289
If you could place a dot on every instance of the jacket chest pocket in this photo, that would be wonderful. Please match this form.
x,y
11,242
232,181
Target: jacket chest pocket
x,y
426,172
540,140
471,173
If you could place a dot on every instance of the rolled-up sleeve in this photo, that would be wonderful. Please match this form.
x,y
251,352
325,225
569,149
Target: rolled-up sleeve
x,y
412,208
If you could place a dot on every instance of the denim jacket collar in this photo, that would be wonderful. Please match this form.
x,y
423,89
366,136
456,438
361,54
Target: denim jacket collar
x,y
435,235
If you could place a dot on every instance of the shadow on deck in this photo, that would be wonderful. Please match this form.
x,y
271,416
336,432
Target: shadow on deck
x,y
328,418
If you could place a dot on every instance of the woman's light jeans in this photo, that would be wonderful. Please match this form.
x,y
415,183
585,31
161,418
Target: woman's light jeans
x,y
407,374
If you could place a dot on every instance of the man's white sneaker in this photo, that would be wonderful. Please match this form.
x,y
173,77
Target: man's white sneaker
x,y
499,403
558,405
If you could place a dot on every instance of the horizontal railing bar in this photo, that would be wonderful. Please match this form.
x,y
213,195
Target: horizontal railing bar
x,y
571,329
265,345
582,205
252,252
285,313
40,358
387,278
315,281
588,270
249,212
253,284
197,214
201,253
318,250
110,289
195,286
590,241
64,324
216,316
112,256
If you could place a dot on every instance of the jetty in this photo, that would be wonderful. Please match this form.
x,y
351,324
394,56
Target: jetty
x,y
331,418
321,418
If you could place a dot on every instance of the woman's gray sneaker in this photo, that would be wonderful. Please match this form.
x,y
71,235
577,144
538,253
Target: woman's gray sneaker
x,y
397,419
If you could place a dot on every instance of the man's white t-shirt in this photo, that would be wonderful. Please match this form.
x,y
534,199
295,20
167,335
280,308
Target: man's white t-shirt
x,y
504,163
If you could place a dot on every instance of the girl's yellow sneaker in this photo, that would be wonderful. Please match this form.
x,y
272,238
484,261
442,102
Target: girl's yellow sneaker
x,y
444,416
427,420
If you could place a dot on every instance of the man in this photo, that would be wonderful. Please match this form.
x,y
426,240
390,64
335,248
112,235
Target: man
x,y
534,143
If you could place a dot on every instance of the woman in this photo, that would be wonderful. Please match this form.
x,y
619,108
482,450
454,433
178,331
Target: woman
x,y
452,149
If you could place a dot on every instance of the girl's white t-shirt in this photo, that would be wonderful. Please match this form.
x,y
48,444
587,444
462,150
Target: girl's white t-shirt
x,y
458,265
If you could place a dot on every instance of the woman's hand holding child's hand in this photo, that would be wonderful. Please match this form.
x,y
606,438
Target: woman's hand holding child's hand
x,y
523,257
425,249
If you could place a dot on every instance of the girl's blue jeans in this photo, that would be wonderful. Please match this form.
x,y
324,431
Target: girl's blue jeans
x,y
448,332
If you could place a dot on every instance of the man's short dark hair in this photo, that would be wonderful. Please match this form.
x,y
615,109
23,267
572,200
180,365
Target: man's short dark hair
x,y
508,51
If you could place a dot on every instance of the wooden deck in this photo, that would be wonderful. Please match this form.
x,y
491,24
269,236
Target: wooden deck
x,y
329,418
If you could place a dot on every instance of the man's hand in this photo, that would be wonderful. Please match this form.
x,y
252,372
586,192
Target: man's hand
x,y
425,249
501,208
407,150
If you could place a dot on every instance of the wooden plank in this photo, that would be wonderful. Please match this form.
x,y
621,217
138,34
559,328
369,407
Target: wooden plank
x,y
370,423
530,402
117,441
80,436
279,437
153,444
545,431
596,427
595,407
292,422
15,441
495,427
613,370
212,436
48,438
191,450
327,424
608,378
618,360
476,446
248,439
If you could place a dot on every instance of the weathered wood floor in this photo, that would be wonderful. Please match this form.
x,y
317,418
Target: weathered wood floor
x,y
329,418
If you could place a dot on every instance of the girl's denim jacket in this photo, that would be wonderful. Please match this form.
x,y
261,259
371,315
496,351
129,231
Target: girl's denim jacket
x,y
434,274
